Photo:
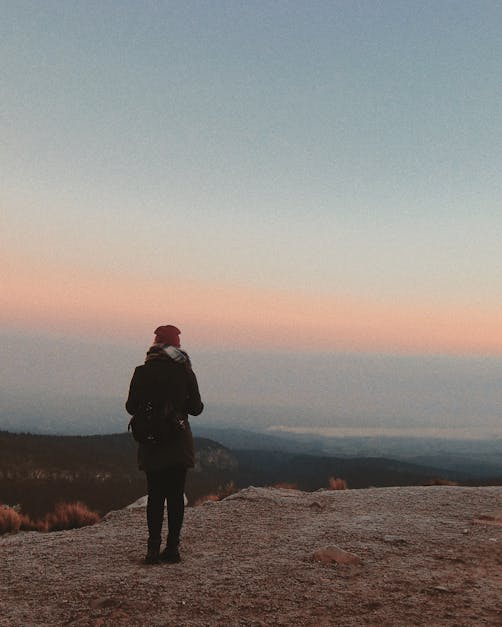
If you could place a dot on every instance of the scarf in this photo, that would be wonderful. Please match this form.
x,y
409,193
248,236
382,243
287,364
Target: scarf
x,y
165,351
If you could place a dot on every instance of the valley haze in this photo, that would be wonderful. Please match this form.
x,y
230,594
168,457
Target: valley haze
x,y
69,386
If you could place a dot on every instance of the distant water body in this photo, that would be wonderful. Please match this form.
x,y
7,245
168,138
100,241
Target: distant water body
x,y
460,433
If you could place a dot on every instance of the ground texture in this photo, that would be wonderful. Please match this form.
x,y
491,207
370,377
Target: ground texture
x,y
427,556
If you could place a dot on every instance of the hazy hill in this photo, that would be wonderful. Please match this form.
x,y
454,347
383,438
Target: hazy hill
x,y
311,472
474,458
416,556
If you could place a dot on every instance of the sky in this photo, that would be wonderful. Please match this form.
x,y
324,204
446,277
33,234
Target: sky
x,y
282,180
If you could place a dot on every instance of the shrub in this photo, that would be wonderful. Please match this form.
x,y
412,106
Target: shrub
x,y
9,519
205,499
221,493
439,481
335,483
70,516
27,524
227,490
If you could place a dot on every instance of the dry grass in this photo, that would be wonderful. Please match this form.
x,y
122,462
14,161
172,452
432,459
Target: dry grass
x,y
335,483
64,516
70,516
10,520
227,490
221,493
27,524
205,499
284,485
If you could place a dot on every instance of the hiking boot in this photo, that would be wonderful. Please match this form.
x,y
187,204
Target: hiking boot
x,y
170,555
152,556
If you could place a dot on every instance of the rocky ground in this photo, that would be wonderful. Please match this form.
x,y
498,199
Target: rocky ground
x,y
264,556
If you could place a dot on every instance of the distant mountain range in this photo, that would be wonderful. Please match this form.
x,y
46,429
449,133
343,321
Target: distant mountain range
x,y
309,472
36,471
473,459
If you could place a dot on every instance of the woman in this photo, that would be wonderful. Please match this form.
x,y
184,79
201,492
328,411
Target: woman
x,y
166,379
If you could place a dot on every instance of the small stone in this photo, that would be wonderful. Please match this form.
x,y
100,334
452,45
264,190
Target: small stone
x,y
315,505
329,554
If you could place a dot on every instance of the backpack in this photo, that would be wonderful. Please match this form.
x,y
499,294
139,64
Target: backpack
x,y
156,424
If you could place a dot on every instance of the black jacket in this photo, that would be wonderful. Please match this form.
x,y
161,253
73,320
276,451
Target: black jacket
x,y
160,380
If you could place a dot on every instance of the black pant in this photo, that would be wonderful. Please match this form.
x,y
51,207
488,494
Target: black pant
x,y
168,483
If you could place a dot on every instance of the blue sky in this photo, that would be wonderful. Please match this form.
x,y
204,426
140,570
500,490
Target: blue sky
x,y
362,126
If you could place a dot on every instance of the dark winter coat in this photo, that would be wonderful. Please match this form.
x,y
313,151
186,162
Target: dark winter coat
x,y
160,380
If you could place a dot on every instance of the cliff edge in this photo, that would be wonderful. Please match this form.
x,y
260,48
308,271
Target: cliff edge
x,y
264,556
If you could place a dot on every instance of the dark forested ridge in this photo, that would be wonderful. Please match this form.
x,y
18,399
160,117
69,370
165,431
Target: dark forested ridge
x,y
36,471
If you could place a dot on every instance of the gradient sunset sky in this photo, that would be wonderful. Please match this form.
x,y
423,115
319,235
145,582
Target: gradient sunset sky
x,y
299,176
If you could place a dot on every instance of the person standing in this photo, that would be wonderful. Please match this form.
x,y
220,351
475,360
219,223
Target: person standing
x,y
166,377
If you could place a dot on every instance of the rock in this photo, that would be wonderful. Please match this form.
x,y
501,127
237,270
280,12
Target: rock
x,y
316,506
329,554
142,501
254,494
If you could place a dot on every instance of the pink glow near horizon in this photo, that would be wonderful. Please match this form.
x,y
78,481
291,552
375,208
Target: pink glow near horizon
x,y
235,317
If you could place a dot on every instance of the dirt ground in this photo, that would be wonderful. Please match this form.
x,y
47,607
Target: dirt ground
x,y
427,556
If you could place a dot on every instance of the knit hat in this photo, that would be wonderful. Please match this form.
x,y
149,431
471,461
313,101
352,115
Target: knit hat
x,y
168,334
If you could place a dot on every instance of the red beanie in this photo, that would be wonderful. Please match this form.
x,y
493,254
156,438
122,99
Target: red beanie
x,y
168,334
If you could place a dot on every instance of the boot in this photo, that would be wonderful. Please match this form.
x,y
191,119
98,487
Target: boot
x,y
153,553
171,554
